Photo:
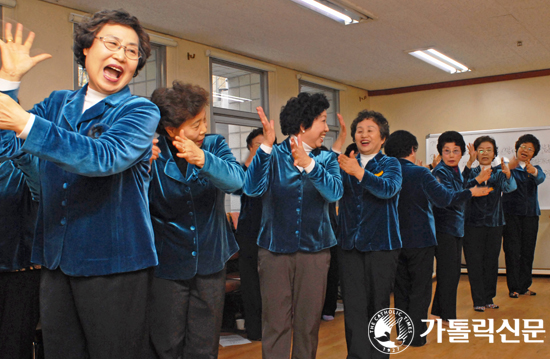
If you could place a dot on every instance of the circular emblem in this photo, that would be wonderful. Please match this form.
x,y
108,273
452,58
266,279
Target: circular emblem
x,y
381,331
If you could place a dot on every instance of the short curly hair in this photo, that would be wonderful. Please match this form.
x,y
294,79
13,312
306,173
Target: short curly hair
x,y
178,104
302,111
377,117
85,33
489,139
451,137
401,144
526,139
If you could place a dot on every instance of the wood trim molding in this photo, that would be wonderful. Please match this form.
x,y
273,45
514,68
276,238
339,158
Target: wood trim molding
x,y
467,82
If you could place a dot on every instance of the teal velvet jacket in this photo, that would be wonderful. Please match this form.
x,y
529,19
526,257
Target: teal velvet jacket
x,y
368,219
93,217
419,193
17,218
295,205
192,234
450,219
487,211
524,201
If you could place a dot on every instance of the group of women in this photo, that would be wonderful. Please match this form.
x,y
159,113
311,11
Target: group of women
x,y
133,238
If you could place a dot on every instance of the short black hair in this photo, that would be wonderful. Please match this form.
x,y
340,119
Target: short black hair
x,y
451,137
526,139
252,135
377,117
351,147
302,111
85,33
400,144
489,139
178,104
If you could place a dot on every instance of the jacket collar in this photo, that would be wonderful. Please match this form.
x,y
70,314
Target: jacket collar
x,y
72,111
171,169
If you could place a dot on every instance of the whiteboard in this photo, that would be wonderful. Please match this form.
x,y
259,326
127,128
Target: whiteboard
x,y
506,141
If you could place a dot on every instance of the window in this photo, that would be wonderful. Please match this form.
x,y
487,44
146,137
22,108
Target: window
x,y
149,78
333,99
236,92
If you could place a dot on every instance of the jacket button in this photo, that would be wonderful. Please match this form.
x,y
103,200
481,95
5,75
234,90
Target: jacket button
x,y
190,213
64,203
297,232
192,228
63,221
194,254
65,185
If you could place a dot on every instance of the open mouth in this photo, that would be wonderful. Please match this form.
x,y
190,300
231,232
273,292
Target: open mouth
x,y
365,143
112,72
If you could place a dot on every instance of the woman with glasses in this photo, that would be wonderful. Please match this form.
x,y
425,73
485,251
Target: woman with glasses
x,y
94,237
449,225
484,222
521,212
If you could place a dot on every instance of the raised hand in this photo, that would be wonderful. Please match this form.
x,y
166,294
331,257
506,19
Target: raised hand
x,y
473,155
505,168
480,191
419,163
530,168
301,158
156,152
16,59
339,143
436,160
189,150
269,128
484,175
351,166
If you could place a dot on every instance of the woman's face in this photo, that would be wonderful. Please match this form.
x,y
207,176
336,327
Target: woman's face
x,y
110,71
368,138
315,135
485,153
194,128
451,154
526,151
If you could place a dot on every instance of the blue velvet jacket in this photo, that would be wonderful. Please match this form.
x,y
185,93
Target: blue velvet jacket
x,y
487,211
295,205
524,201
450,220
192,234
419,192
250,216
368,219
93,217
17,218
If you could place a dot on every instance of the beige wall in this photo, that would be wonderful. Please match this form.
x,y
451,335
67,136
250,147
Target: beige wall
x,y
508,104
54,35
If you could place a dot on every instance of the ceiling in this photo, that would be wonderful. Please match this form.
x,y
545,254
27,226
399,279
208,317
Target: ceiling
x,y
482,34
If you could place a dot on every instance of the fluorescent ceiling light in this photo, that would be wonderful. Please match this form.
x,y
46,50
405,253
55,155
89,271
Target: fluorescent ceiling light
x,y
335,11
230,98
439,60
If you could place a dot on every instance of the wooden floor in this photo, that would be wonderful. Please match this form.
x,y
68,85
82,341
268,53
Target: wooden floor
x,y
332,344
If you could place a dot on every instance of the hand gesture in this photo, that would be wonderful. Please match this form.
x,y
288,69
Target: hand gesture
x,y
419,163
269,128
351,166
301,158
480,191
436,160
339,143
530,168
155,154
514,162
12,115
473,155
505,168
189,150
16,59
484,175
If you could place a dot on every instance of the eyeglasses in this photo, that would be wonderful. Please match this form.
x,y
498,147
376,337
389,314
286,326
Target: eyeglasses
x,y
113,44
527,149
455,152
485,151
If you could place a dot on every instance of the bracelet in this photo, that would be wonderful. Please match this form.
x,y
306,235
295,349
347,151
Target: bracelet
x,y
431,167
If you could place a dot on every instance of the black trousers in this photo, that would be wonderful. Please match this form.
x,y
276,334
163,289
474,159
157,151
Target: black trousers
x,y
186,316
520,239
413,287
481,250
250,286
19,313
448,254
102,317
331,296
367,279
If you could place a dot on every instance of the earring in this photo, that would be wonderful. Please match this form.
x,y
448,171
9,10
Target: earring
x,y
303,131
